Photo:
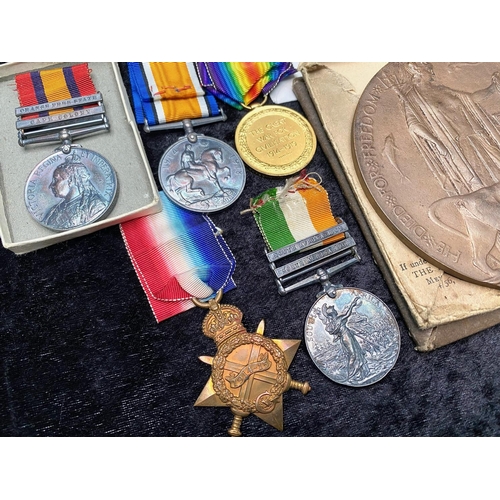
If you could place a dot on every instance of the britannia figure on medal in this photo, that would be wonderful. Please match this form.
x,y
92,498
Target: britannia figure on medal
x,y
352,338
460,142
337,325
80,203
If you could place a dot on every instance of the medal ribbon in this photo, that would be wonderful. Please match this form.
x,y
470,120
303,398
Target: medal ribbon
x,y
51,85
164,92
178,254
296,211
240,83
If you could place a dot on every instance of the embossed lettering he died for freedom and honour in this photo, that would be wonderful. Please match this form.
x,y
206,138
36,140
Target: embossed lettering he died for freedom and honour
x,y
426,139
275,140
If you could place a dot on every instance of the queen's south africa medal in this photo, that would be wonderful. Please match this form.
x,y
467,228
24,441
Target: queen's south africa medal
x,y
68,191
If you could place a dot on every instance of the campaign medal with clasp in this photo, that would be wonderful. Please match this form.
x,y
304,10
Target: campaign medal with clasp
x,y
74,186
350,334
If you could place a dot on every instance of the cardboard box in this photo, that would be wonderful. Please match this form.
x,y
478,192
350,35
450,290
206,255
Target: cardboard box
x,y
137,194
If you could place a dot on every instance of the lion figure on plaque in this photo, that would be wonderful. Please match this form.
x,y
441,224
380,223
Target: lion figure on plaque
x,y
460,142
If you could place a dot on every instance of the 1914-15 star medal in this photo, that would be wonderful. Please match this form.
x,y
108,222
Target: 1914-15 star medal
x,y
249,371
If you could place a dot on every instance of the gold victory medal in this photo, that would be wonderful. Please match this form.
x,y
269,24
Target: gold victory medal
x,y
275,140
249,371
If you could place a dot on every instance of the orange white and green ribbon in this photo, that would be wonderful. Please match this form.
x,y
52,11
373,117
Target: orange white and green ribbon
x,y
291,213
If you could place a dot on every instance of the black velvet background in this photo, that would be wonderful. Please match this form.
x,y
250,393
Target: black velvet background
x,y
82,354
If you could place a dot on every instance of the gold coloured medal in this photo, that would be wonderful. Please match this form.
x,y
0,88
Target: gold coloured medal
x,y
249,371
275,140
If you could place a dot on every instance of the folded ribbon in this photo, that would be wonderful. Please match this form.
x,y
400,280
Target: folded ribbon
x,y
297,210
178,254
50,85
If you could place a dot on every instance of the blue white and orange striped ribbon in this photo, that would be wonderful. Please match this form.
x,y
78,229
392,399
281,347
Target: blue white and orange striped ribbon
x,y
164,92
50,85
178,254
293,212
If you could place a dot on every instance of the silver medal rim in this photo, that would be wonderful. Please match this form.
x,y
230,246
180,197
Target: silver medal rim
x,y
378,376
110,203
163,166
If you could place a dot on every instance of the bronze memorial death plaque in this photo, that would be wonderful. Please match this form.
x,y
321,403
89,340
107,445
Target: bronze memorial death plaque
x,y
426,140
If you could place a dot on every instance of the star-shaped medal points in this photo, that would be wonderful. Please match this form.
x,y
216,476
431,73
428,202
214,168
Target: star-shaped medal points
x,y
249,371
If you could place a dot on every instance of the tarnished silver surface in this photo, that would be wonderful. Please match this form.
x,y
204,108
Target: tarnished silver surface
x,y
67,191
427,144
309,261
306,242
353,338
204,176
64,103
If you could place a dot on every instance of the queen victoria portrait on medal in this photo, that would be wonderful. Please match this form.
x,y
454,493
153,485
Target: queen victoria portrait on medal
x,y
69,191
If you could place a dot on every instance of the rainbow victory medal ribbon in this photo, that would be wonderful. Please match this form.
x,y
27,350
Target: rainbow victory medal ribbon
x,y
294,212
177,255
240,83
165,92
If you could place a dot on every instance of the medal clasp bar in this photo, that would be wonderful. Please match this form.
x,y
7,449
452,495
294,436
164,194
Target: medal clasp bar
x,y
343,253
80,115
62,104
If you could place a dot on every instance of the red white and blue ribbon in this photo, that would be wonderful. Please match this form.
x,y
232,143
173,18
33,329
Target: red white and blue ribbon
x,y
177,255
